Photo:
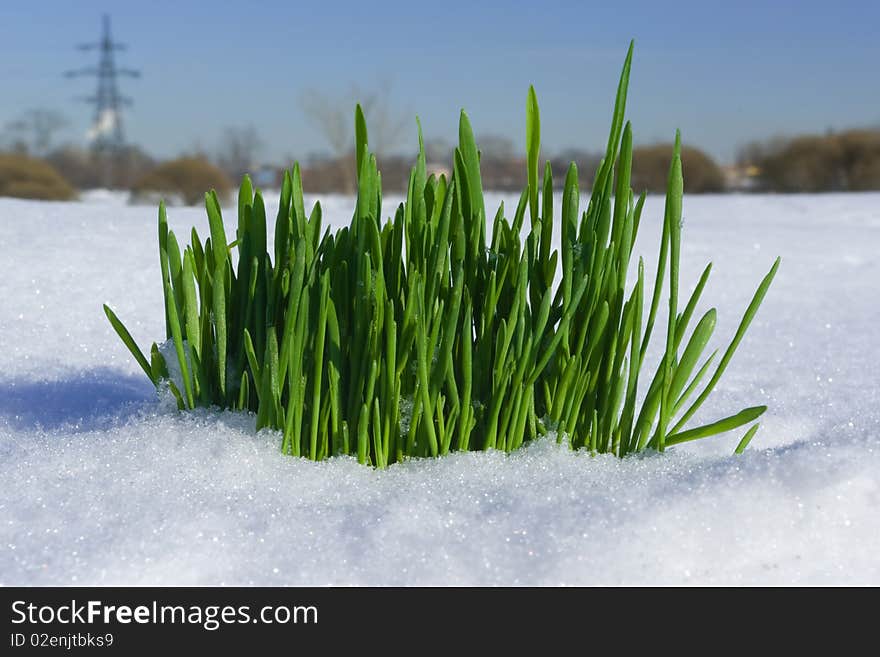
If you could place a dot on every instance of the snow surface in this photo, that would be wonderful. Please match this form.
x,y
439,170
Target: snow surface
x,y
103,483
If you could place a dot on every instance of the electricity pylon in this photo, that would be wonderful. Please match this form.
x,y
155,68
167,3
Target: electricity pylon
x,y
106,134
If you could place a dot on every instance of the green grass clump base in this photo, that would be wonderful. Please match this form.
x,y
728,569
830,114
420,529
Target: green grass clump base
x,y
424,334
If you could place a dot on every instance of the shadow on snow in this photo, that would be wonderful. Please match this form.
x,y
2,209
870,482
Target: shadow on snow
x,y
85,401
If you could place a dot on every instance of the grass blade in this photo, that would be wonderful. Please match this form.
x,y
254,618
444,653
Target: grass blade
x,y
129,342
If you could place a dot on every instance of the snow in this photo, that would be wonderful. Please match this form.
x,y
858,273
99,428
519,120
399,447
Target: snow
x,y
103,483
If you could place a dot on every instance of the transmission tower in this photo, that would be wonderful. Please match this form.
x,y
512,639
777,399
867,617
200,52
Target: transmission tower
x,y
107,134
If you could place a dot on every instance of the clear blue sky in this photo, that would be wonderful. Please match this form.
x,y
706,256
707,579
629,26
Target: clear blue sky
x,y
724,72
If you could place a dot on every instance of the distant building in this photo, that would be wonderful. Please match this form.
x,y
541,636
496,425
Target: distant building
x,y
267,176
438,169
741,177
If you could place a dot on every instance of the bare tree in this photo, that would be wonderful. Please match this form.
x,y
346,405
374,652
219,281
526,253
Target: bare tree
x,y
496,147
333,116
36,128
386,127
586,161
238,151
196,149
438,150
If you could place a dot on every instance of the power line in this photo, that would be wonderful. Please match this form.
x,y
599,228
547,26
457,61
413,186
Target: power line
x,y
107,133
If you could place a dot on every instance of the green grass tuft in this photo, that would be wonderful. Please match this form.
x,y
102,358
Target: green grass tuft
x,y
416,336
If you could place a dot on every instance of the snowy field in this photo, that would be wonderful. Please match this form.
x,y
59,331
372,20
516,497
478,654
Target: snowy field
x,y
104,484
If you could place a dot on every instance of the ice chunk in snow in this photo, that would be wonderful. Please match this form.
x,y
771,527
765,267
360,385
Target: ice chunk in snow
x,y
172,362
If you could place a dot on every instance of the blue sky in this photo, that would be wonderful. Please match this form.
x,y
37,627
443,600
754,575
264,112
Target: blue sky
x,y
723,72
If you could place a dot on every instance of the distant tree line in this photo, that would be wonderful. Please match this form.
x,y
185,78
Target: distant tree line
x,y
845,161
34,167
